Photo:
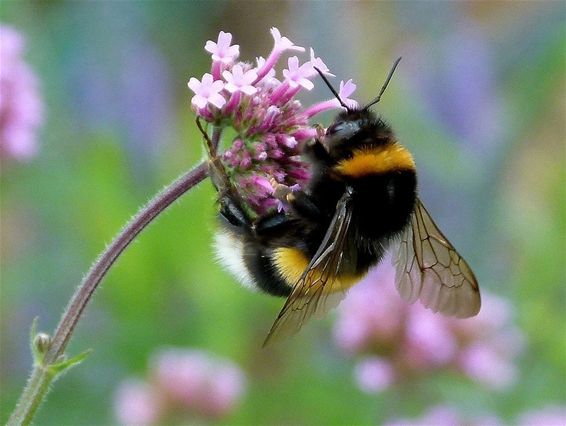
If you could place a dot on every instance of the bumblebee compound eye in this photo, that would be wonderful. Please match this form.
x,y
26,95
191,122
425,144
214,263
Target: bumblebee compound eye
x,y
334,128
341,131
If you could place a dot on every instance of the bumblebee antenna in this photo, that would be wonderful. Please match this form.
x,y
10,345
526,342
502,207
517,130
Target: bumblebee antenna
x,y
387,80
332,89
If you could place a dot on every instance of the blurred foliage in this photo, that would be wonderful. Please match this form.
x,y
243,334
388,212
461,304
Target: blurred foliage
x,y
114,136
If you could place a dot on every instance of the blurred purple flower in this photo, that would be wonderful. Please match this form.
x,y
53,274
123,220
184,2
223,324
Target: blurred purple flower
x,y
137,403
270,124
123,88
21,107
408,340
458,81
554,415
182,383
445,415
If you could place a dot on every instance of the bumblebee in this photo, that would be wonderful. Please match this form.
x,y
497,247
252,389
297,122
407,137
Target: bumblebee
x,y
360,202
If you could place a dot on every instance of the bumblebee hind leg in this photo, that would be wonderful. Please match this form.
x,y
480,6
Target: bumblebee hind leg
x,y
232,210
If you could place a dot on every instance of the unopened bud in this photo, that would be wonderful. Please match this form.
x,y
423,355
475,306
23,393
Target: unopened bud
x,y
42,342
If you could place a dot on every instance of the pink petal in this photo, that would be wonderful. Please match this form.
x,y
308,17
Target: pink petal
x,y
217,100
248,90
199,101
194,84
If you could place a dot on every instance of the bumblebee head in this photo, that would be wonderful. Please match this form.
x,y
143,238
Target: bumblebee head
x,y
347,126
353,121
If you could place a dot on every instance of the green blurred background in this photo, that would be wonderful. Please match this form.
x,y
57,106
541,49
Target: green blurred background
x,y
479,99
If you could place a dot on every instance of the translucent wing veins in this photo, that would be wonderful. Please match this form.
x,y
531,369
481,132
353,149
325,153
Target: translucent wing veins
x,y
430,269
315,293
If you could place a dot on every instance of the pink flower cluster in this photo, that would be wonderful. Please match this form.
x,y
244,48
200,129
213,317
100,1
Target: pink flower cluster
x,y
444,415
270,124
552,415
399,341
21,109
185,384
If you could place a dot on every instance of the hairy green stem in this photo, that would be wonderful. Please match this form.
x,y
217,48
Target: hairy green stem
x,y
42,375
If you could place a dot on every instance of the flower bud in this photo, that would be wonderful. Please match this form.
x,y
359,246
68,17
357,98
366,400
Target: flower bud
x,y
42,342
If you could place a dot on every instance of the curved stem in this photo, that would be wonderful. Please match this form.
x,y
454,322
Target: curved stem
x,y
42,376
99,269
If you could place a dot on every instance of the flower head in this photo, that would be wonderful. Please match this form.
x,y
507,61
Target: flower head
x,y
271,125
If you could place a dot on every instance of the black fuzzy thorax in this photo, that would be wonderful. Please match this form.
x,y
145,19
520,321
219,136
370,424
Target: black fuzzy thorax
x,y
381,203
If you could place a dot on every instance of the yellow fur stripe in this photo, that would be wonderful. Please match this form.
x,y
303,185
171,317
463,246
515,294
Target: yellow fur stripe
x,y
378,160
292,262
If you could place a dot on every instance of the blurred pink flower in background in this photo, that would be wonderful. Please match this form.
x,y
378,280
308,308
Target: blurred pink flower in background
x,y
554,415
21,108
182,383
374,374
445,415
137,403
198,381
399,340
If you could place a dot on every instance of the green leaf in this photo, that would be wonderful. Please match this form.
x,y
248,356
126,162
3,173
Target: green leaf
x,y
60,367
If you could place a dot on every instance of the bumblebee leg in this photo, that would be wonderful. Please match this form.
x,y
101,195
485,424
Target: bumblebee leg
x,y
316,151
273,225
232,210
303,205
233,214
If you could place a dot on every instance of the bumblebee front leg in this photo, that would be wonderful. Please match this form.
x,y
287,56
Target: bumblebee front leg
x,y
301,203
232,210
316,152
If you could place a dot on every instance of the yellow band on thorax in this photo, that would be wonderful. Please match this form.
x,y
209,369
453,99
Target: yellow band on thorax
x,y
377,160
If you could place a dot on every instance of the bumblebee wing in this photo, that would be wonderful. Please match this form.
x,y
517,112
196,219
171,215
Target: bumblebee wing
x,y
430,269
316,291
